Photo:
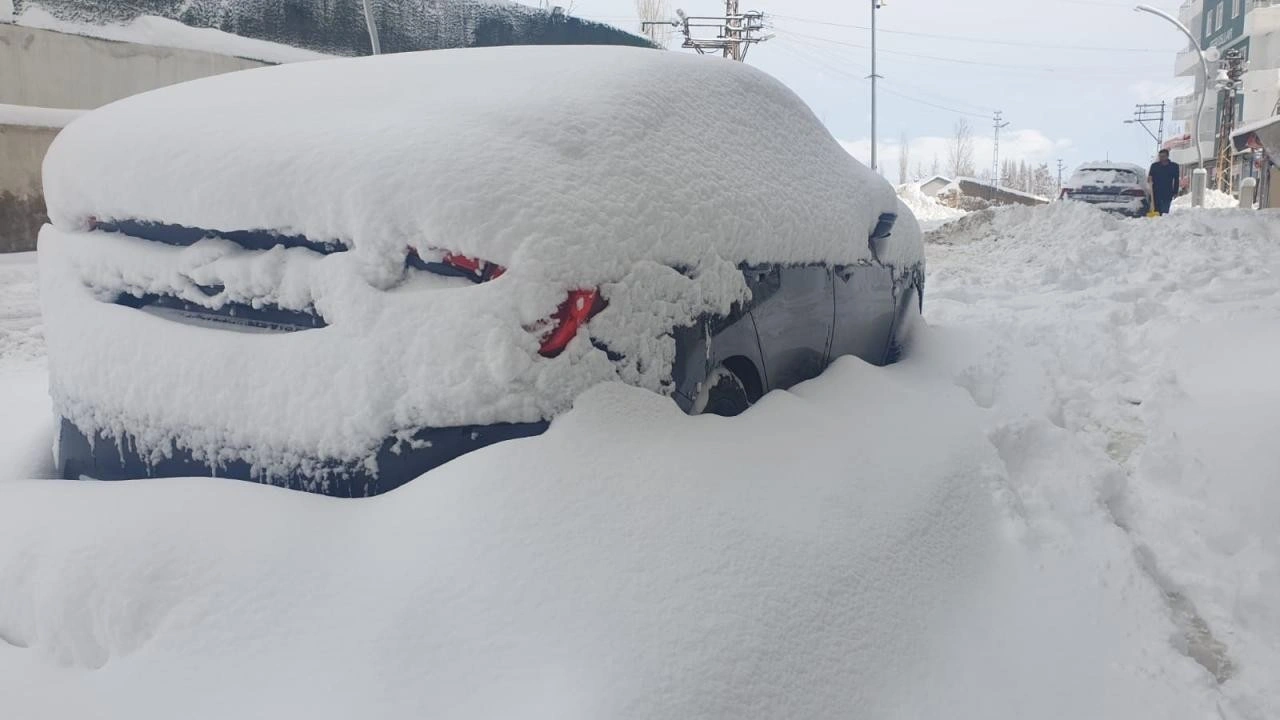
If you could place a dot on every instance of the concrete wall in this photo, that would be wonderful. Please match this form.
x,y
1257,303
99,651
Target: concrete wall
x,y
51,69
21,201
42,68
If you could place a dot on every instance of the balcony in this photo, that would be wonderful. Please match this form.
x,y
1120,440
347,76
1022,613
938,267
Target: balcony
x,y
1184,107
1262,19
1187,62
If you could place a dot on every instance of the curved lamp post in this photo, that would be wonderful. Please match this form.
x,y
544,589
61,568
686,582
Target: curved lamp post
x,y
1204,69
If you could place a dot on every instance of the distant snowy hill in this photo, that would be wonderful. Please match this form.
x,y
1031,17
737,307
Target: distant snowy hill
x,y
338,28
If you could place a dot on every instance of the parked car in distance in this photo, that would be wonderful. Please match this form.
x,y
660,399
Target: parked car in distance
x,y
334,276
1113,187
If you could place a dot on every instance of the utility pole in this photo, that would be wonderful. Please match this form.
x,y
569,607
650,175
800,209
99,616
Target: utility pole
x,y
1060,168
1230,86
735,31
1147,114
875,5
996,122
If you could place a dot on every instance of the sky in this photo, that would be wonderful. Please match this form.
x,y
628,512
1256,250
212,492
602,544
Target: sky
x,y
1065,73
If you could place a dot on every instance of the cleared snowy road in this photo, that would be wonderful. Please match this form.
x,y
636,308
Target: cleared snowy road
x,y
1065,504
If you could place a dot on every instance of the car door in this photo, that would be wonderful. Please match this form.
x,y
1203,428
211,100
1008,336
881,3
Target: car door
x,y
864,312
793,311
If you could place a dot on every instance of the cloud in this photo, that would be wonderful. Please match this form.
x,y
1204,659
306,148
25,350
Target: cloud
x,y
1032,146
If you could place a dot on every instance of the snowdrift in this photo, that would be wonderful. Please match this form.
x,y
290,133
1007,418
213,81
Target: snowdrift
x,y
1155,345
1056,507
926,209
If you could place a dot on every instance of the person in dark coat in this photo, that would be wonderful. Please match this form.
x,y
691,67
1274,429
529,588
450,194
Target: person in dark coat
x,y
1164,178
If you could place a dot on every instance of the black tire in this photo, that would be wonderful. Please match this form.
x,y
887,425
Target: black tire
x,y
722,394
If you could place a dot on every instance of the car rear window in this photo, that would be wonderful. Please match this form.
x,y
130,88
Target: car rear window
x,y
1105,176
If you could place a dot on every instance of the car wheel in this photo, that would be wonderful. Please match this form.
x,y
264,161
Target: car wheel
x,y
722,394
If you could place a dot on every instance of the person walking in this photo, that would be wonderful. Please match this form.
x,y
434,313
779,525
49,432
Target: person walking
x,y
1163,177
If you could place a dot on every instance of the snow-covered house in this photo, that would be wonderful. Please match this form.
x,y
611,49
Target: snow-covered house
x,y
934,185
967,193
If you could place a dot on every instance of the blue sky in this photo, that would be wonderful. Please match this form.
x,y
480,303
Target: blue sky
x,y
1067,78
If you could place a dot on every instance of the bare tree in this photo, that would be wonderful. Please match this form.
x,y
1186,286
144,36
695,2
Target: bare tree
x,y
904,159
960,150
936,168
655,11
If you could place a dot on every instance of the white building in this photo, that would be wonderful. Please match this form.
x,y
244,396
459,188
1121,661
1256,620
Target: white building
x,y
1251,26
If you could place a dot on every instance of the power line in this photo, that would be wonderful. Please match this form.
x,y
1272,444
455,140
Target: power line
x,y
822,66
965,61
964,38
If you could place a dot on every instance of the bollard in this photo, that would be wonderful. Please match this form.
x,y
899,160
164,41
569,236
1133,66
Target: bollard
x,y
1248,187
1199,179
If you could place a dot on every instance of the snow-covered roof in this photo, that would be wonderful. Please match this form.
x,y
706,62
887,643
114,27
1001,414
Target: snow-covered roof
x,y
955,186
36,116
936,178
163,32
557,154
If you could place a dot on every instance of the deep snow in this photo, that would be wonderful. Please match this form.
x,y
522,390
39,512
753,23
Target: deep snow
x,y
1062,505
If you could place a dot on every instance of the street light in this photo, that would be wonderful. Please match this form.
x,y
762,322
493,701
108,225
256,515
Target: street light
x,y
1204,69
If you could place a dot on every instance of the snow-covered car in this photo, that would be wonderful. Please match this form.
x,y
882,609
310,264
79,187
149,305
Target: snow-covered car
x,y
1114,187
334,276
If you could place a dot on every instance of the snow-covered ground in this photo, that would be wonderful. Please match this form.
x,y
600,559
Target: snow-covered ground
x,y
1063,504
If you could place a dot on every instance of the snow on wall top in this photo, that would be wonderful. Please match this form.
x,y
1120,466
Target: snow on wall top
x,y
338,28
163,32
572,162
31,116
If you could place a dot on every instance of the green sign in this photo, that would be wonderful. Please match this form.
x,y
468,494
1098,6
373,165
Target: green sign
x,y
1222,22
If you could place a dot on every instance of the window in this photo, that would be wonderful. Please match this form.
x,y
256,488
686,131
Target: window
x,y
1239,8
1217,19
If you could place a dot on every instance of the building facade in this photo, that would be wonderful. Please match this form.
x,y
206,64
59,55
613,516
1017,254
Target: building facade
x,y
1253,28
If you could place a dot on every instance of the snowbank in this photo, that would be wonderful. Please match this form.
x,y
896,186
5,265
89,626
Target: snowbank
x,y
555,578
163,32
26,423
569,184
1213,200
1152,342
36,116
874,563
926,209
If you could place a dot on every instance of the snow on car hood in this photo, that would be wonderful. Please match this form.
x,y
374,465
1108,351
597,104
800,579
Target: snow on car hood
x,y
569,162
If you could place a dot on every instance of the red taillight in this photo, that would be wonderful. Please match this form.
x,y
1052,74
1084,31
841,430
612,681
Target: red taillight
x,y
577,309
480,268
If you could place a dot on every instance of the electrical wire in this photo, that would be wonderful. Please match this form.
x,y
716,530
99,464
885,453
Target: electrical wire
x,y
965,61
822,66
964,38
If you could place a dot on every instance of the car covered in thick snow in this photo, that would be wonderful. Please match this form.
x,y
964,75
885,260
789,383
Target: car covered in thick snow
x,y
334,276
1114,187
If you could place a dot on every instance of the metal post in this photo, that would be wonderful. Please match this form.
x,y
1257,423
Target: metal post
x,y
1204,69
373,28
874,4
